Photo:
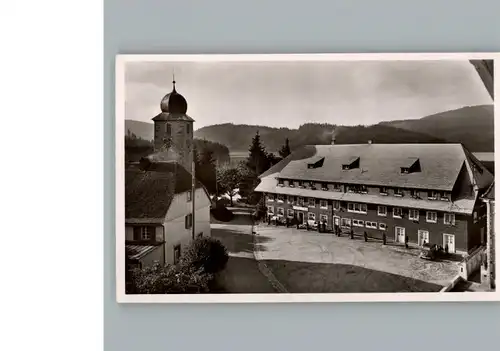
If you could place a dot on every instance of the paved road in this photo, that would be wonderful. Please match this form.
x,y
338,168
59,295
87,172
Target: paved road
x,y
242,274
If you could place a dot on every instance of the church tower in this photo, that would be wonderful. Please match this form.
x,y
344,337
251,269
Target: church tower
x,y
174,129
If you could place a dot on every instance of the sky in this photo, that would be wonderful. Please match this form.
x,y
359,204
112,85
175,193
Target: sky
x,y
288,94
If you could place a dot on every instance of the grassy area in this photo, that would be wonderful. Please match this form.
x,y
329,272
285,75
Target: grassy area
x,y
307,277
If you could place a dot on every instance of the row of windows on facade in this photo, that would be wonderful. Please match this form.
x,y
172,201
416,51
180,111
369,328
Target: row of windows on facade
x,y
345,222
147,233
363,189
397,212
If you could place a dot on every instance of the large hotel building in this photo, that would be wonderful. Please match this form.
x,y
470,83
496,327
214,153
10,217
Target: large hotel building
x,y
416,192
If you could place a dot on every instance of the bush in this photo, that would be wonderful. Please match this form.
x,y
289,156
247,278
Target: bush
x,y
170,279
206,254
221,213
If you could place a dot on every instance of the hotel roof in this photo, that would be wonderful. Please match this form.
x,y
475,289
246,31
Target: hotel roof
x,y
380,164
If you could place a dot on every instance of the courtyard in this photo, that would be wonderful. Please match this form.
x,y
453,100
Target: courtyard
x,y
311,262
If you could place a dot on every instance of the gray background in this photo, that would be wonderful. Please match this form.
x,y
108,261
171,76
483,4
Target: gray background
x,y
258,26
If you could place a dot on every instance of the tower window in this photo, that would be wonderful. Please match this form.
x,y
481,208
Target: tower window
x,y
188,128
169,129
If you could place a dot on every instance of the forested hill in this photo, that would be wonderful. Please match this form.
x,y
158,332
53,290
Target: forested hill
x,y
238,137
472,126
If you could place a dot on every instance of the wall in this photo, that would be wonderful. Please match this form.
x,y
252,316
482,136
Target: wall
x,y
474,235
155,255
472,263
181,140
175,230
436,230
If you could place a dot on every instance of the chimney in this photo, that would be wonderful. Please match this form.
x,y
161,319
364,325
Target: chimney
x,y
369,142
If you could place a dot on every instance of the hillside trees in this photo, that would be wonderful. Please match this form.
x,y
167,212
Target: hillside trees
x,y
205,170
285,149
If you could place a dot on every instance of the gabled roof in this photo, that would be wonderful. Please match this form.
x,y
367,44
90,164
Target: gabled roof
x,y
150,189
490,192
380,164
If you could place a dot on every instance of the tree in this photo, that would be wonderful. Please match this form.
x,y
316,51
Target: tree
x,y
208,254
258,160
272,159
205,170
229,179
285,149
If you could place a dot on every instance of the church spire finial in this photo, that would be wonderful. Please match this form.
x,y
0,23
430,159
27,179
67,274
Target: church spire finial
x,y
173,79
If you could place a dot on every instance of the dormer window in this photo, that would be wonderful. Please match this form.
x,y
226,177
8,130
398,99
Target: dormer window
x,y
301,184
324,186
383,190
336,187
281,182
414,193
410,165
398,192
351,163
312,185
315,162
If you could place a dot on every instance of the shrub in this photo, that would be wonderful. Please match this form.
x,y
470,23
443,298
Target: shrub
x,y
221,213
206,254
170,279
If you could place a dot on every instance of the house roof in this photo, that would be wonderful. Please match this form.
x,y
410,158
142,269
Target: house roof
x,y
150,188
490,192
136,252
380,164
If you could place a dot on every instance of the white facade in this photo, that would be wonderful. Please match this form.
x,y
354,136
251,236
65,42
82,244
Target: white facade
x,y
174,228
176,232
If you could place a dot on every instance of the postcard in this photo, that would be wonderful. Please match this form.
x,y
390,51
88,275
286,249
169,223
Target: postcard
x,y
305,178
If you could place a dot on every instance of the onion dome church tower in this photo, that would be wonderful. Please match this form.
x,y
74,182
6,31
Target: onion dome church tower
x,y
174,128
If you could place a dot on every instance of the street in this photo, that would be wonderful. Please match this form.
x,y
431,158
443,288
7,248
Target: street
x,y
242,274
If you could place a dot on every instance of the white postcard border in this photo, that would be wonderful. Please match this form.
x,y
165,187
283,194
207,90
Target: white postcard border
x,y
120,63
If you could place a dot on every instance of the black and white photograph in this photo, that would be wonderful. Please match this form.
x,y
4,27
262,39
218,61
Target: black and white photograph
x,y
305,178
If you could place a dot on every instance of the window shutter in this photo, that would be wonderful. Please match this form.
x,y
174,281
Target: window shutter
x,y
186,222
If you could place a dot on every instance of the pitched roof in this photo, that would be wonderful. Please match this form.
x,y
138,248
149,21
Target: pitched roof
x,y
490,192
150,188
380,164
136,252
